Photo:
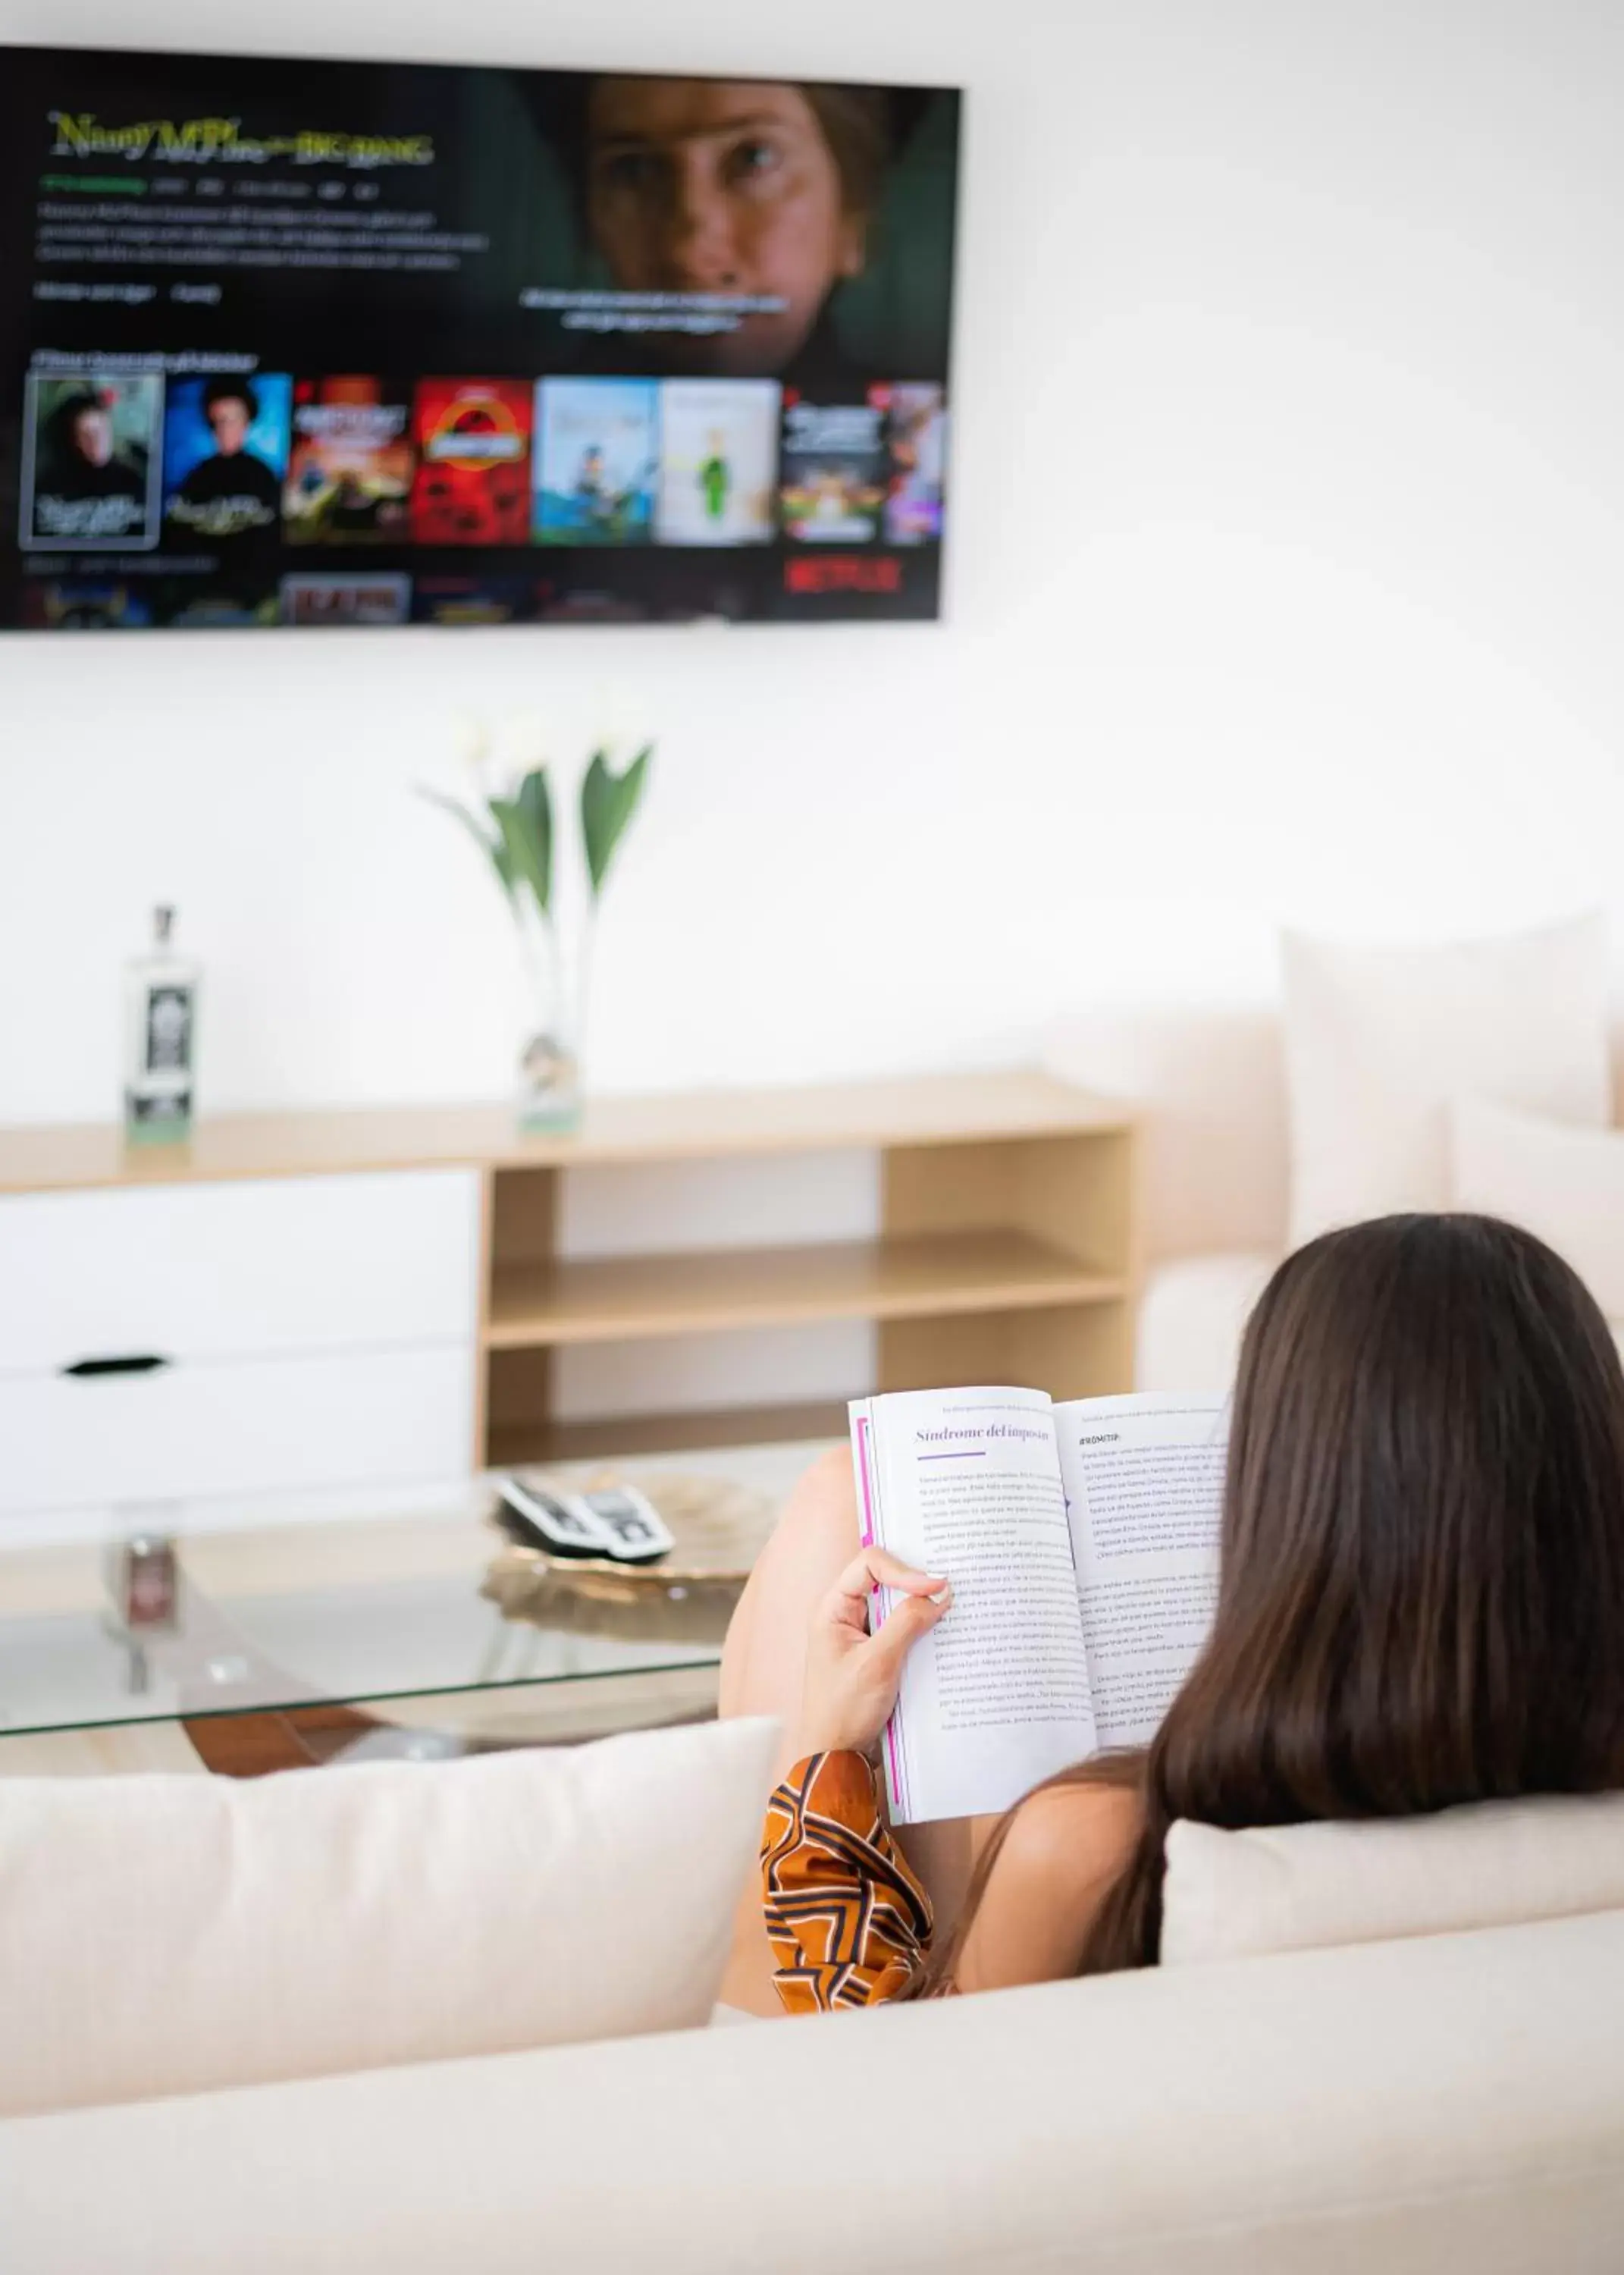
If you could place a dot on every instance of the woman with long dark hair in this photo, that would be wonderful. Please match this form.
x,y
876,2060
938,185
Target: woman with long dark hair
x,y
1421,1604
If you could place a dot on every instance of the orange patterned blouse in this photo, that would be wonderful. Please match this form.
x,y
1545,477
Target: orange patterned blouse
x,y
849,1924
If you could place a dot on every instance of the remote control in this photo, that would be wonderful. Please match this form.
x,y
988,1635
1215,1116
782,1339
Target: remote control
x,y
639,1531
560,1521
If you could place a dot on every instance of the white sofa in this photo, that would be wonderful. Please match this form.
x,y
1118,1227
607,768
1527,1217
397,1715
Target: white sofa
x,y
1418,2107
1215,1188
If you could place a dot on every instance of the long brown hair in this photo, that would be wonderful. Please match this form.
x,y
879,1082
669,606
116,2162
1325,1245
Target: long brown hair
x,y
1422,1599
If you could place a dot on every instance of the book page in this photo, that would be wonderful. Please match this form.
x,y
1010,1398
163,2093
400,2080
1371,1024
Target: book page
x,y
1144,1480
966,1484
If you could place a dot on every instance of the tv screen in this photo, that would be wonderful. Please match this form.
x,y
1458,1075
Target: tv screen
x,y
330,343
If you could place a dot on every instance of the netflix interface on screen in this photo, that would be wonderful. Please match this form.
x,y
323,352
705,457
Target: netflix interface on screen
x,y
363,344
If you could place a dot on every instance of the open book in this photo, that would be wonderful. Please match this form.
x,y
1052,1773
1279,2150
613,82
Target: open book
x,y
1082,1543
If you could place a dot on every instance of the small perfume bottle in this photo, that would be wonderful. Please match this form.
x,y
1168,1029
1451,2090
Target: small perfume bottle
x,y
161,992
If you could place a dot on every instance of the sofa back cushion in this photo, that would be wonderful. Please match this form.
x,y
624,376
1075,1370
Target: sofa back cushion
x,y
1380,1040
1296,1887
1209,1082
167,1935
1564,1184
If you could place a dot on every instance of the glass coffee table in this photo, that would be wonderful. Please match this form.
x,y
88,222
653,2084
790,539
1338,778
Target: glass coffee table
x,y
259,1635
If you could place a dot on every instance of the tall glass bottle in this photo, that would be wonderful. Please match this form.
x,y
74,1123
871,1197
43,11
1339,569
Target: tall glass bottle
x,y
160,996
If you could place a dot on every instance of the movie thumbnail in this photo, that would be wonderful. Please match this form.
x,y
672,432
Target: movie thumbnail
x,y
83,604
215,610
350,469
92,461
597,460
472,480
472,600
916,428
832,482
225,452
366,597
718,462
586,605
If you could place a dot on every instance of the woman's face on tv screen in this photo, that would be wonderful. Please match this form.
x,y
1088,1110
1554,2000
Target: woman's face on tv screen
x,y
699,185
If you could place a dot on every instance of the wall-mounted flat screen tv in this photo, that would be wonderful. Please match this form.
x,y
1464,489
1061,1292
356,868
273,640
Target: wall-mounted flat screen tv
x,y
362,343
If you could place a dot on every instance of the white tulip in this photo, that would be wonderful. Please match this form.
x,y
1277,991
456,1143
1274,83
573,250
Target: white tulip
x,y
471,741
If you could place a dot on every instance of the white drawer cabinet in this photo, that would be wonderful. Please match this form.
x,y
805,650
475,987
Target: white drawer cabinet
x,y
235,1426
266,1334
238,1270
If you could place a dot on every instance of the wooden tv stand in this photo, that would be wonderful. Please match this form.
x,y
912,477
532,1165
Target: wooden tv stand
x,y
1006,1249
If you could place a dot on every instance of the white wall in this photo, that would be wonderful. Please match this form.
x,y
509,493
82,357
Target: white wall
x,y
1285,580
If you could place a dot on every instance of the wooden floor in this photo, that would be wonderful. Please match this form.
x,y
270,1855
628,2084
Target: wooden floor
x,y
254,1745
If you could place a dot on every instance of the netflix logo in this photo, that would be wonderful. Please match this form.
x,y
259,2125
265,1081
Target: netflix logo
x,y
842,572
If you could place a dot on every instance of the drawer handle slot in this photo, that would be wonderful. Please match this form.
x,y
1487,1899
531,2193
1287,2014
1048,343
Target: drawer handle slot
x,y
91,1369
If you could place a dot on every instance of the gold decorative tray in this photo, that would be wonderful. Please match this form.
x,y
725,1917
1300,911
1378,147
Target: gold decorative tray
x,y
687,1598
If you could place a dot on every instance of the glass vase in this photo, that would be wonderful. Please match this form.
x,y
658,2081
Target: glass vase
x,y
549,1060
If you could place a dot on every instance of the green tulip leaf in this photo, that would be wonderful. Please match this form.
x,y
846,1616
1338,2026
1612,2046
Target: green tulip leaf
x,y
527,827
607,803
494,849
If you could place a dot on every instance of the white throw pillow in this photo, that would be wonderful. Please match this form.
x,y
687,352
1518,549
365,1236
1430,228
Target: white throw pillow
x,y
1566,1185
1379,1041
1299,1888
164,1935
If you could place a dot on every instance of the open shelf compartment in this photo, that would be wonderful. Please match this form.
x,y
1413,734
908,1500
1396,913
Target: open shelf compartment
x,y
1003,1259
